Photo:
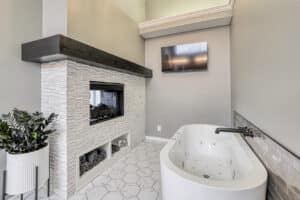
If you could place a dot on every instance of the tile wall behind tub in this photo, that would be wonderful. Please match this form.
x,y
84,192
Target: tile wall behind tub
x,y
283,167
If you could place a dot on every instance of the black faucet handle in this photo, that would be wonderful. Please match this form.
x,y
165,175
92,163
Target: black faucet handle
x,y
247,131
242,130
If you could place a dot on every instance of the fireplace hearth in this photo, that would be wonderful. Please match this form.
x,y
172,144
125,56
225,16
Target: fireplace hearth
x,y
106,101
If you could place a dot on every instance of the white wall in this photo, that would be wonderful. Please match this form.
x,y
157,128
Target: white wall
x,y
110,25
20,21
164,8
175,99
265,67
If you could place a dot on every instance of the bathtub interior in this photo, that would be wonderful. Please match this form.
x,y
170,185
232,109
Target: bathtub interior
x,y
200,152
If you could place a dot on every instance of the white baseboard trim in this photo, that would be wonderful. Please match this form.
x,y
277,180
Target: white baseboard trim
x,y
157,139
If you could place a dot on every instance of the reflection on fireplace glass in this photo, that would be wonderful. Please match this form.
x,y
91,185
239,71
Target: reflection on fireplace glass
x,y
106,101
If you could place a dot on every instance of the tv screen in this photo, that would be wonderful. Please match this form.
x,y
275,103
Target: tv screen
x,y
185,57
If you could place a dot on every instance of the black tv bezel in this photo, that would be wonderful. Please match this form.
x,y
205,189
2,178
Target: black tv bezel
x,y
185,69
119,87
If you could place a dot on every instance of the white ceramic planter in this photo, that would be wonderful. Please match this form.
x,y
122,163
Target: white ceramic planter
x,y
21,170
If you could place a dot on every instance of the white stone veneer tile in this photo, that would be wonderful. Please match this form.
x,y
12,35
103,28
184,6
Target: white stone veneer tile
x,y
65,91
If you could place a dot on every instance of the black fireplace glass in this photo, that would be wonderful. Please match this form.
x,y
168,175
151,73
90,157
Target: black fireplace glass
x,y
106,101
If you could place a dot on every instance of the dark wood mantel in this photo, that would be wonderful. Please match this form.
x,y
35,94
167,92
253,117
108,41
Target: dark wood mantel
x,y
59,47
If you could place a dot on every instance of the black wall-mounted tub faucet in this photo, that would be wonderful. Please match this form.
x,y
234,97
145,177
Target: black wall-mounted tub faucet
x,y
242,130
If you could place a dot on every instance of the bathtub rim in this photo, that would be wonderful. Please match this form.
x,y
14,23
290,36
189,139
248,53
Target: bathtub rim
x,y
260,178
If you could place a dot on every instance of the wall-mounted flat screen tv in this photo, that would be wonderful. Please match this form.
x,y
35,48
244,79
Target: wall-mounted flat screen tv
x,y
185,57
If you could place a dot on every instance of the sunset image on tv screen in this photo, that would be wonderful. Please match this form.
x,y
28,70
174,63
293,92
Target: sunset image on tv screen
x,y
185,57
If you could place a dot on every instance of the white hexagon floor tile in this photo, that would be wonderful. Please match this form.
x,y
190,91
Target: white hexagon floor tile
x,y
115,185
101,180
136,176
131,178
131,168
96,193
145,172
148,194
130,190
113,196
146,182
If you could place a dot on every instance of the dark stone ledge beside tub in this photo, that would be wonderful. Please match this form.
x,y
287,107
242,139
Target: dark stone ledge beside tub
x,y
59,47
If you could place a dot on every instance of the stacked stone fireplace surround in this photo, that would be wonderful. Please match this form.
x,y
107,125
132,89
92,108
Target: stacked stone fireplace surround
x,y
65,91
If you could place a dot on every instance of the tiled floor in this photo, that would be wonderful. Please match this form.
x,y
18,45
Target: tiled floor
x,y
134,177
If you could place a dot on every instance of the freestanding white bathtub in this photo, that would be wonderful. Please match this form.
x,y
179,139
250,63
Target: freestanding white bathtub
x,y
197,164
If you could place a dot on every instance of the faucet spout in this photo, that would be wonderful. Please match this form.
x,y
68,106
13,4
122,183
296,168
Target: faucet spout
x,y
242,130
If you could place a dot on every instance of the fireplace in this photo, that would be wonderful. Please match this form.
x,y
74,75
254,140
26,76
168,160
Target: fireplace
x,y
106,101
93,147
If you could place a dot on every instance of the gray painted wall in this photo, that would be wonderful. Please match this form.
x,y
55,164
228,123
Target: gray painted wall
x,y
20,21
175,99
110,25
54,17
265,66
19,81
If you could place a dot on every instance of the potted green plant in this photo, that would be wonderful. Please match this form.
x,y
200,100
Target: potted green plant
x,y
24,137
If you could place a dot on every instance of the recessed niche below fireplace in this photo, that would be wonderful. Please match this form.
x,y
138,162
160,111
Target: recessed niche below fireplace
x,y
106,101
119,143
91,159
100,156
